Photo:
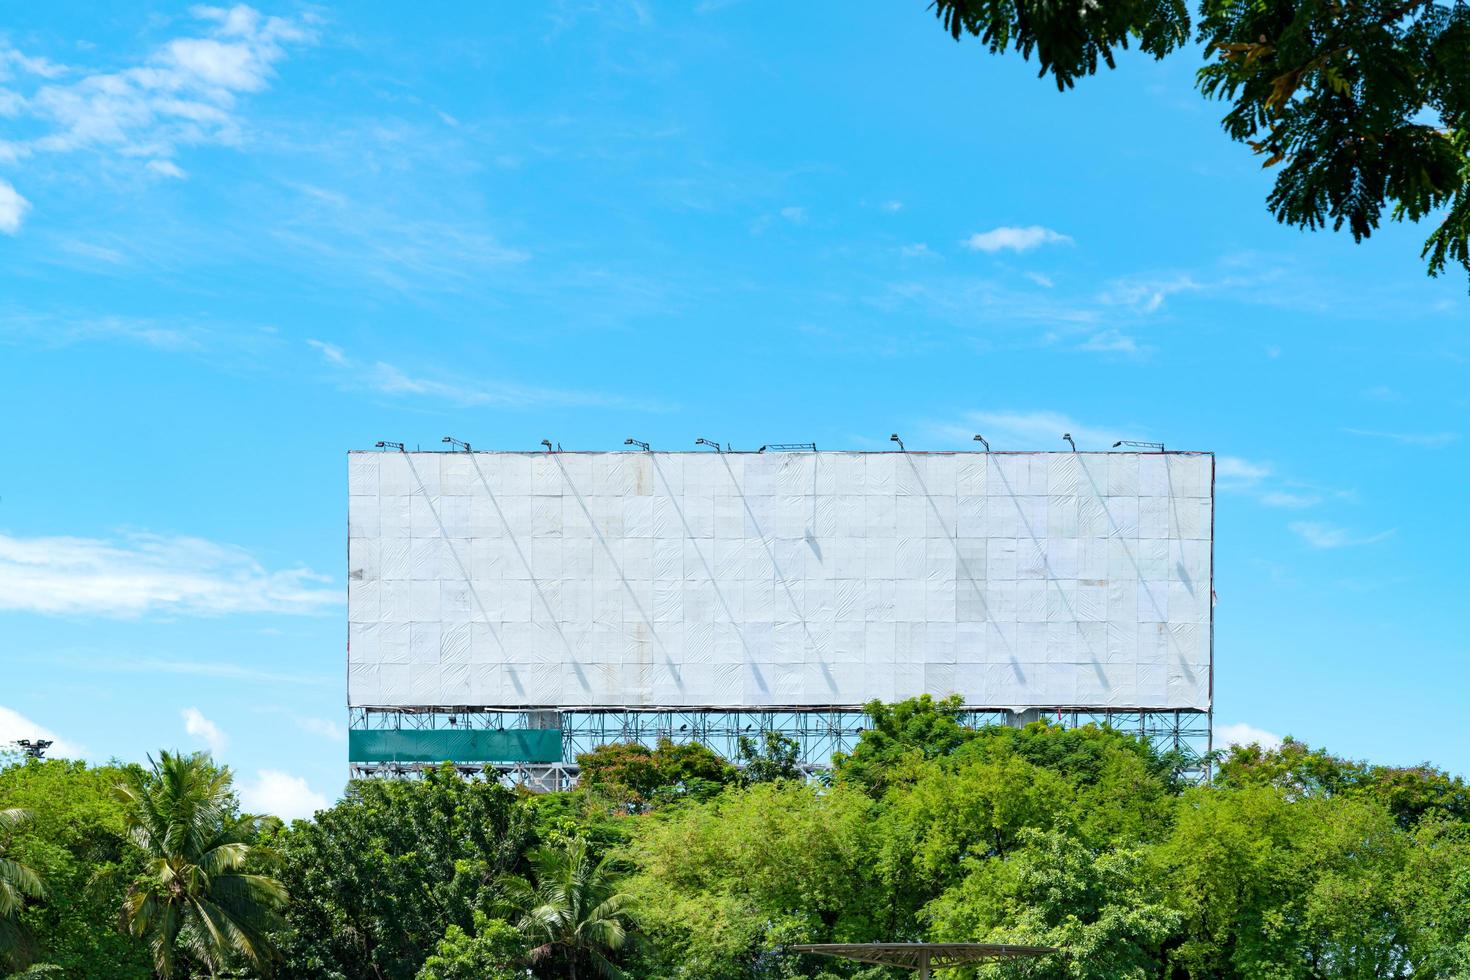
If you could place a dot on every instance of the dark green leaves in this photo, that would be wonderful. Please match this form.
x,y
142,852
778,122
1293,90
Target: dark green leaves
x,y
1069,37
1364,105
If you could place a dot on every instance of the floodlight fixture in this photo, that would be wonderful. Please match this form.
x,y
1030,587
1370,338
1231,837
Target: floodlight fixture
x,y
392,445
1155,446
547,444
705,442
982,441
36,749
1068,436
636,442
457,444
895,438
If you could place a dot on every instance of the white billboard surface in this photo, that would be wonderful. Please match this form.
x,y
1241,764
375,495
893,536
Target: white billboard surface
x,y
745,580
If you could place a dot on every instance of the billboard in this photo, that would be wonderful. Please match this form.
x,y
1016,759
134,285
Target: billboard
x,y
751,580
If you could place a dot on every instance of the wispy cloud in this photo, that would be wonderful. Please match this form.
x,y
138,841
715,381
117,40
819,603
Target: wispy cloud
x,y
1014,239
199,668
1329,536
321,726
141,573
1147,295
57,331
13,209
1112,342
205,730
916,250
892,207
1295,501
14,725
405,248
389,379
1027,430
281,794
1238,472
1420,440
186,92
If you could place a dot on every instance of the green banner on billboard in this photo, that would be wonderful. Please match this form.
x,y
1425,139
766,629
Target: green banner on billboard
x,y
464,745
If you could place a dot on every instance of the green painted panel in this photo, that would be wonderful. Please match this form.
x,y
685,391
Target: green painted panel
x,y
472,745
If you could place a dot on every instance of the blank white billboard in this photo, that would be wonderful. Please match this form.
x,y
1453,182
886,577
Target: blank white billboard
x,y
745,580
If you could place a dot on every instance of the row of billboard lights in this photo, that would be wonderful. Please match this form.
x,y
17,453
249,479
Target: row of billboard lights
x,y
779,447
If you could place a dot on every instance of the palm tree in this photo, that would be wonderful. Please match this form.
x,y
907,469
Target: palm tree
x,y
195,891
572,912
17,883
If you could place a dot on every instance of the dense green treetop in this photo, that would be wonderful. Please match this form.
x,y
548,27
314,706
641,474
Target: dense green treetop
x,y
76,839
1292,865
638,777
1412,794
376,879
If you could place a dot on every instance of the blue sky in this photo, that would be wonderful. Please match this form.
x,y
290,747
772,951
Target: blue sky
x,y
237,243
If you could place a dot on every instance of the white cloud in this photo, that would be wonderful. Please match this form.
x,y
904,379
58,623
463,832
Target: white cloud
x,y
389,379
1296,501
166,168
321,726
11,58
1027,430
916,251
200,668
1243,734
282,794
13,209
795,215
1148,295
1045,282
1326,536
186,92
203,729
1233,469
14,725
331,352
142,573
892,207
1014,239
1421,440
1111,342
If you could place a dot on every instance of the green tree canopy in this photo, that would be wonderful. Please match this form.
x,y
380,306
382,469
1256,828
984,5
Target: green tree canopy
x,y
18,882
1412,793
494,950
376,879
1364,106
638,777
77,839
197,890
572,911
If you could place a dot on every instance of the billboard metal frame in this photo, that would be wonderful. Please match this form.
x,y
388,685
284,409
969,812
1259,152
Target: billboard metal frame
x,y
819,730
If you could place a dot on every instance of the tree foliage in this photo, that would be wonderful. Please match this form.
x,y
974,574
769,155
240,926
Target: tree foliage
x,y
494,950
1294,864
1364,106
76,838
572,911
18,883
1412,794
198,889
638,777
377,879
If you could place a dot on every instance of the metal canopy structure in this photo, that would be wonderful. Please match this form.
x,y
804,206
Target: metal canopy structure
x,y
923,956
